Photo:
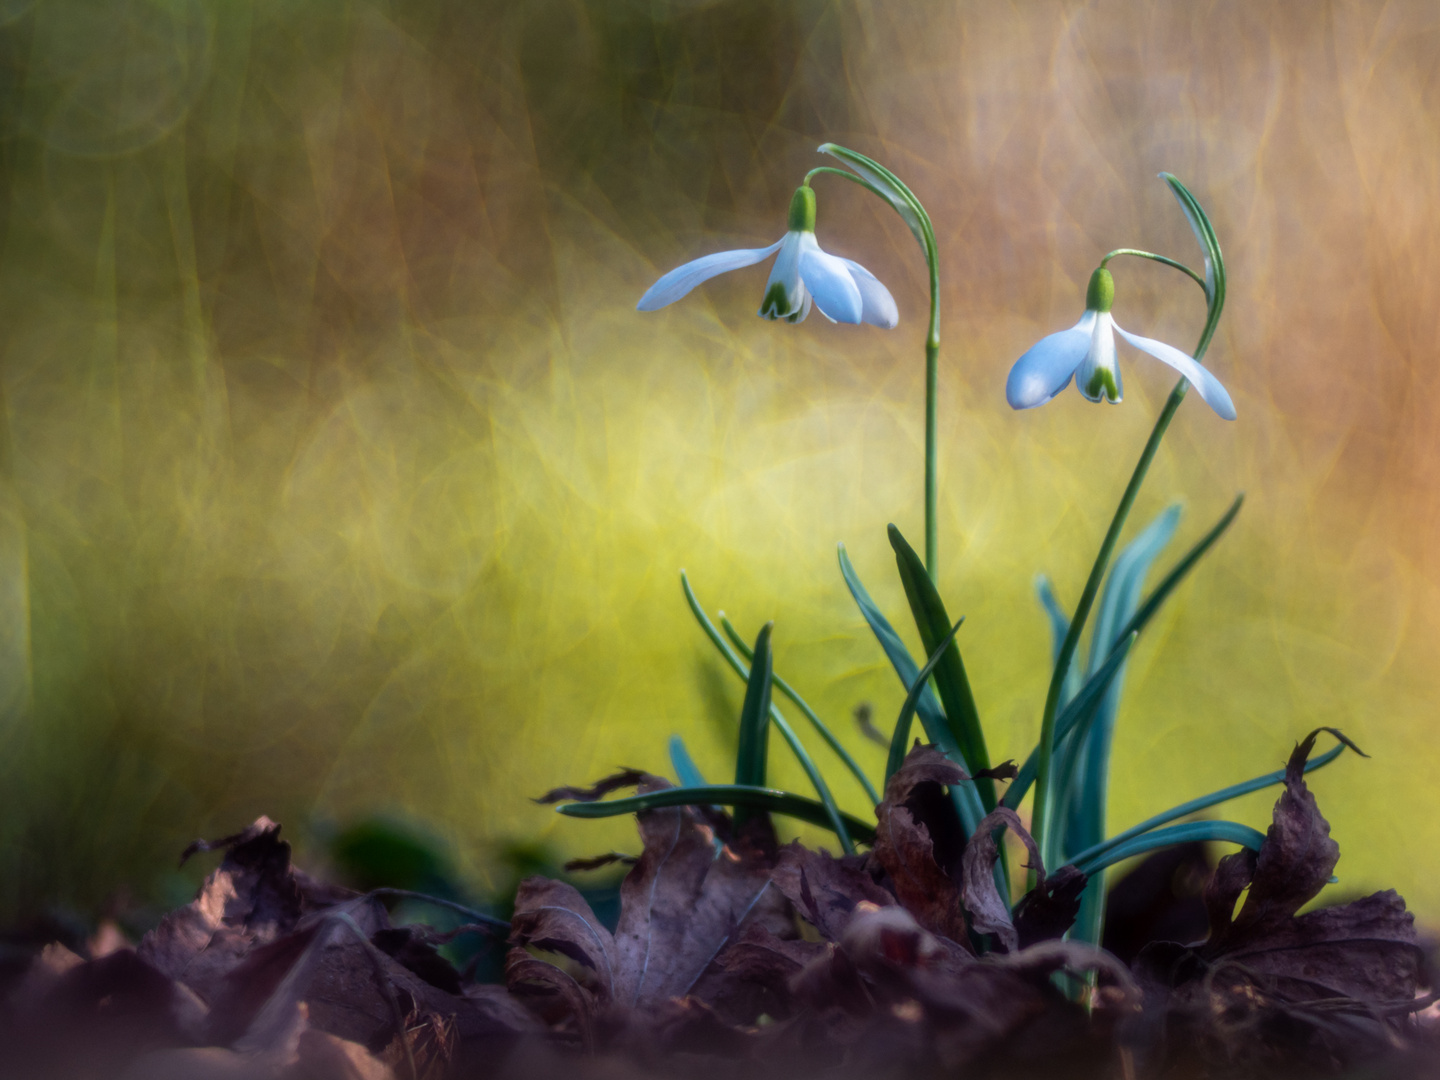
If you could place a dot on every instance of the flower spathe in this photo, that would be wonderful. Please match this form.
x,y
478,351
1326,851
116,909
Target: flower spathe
x,y
1087,351
802,276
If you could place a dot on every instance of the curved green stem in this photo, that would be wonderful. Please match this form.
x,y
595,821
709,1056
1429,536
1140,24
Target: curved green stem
x,y
1041,824
1172,263
880,181
830,170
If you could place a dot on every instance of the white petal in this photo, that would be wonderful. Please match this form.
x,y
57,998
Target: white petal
x,y
829,281
1100,358
785,296
682,279
1208,386
877,305
1046,368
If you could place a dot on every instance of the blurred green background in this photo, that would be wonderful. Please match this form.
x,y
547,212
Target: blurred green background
x,y
339,476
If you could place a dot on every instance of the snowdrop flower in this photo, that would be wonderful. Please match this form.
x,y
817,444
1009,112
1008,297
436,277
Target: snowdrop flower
x,y
1087,351
844,291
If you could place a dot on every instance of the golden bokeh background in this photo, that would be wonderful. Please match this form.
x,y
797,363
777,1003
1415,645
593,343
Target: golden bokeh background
x,y
340,475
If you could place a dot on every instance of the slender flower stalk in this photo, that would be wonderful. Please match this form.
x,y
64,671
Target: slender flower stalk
x,y
881,182
1213,283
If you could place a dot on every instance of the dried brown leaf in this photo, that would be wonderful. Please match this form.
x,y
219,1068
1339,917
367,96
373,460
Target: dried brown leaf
x,y
824,889
554,917
680,905
597,791
596,862
1366,950
1049,910
251,900
918,842
989,913
1310,991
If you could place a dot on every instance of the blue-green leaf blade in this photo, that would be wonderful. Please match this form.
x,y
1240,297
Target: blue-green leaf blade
x,y
786,731
1079,712
1204,802
819,725
686,772
937,730
1227,831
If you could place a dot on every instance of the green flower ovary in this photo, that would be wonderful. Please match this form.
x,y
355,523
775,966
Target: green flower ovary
x,y
802,210
1101,293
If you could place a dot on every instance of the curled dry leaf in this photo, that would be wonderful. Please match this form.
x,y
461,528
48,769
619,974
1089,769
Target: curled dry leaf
x,y
919,843
989,913
625,778
250,901
681,905
1366,950
1318,988
1047,911
824,890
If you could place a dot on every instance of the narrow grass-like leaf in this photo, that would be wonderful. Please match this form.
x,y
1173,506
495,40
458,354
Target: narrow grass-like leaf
x,y
1228,831
1079,712
1059,627
1084,775
932,719
899,741
928,707
750,759
1119,601
953,684
1171,581
797,748
770,800
819,725
1204,802
684,765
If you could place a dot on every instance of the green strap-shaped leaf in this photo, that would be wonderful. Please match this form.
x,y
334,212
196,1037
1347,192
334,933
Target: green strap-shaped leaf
x,y
1228,831
1204,802
933,622
797,748
890,188
686,771
1079,712
770,800
932,719
815,721
900,740
755,716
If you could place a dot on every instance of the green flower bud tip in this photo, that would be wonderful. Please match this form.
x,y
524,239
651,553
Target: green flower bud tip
x,y
802,210
1101,293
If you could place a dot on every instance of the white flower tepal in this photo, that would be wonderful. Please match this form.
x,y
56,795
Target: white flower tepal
x,y
1087,351
803,275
